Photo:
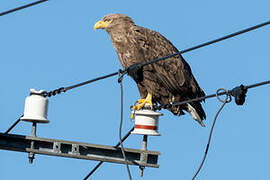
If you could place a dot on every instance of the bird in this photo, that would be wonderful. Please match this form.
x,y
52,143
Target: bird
x,y
163,82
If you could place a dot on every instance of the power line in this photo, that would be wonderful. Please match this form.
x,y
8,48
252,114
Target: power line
x,y
13,125
227,100
133,68
237,92
258,84
234,92
207,43
101,162
22,7
120,79
64,89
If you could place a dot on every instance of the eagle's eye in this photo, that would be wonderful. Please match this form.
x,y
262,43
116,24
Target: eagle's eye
x,y
107,20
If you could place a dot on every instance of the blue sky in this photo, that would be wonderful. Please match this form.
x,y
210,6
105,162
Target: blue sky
x,y
54,44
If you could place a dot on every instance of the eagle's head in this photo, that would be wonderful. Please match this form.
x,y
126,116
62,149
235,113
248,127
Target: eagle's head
x,y
112,21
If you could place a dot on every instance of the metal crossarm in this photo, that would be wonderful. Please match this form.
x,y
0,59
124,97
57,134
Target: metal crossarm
x,y
69,149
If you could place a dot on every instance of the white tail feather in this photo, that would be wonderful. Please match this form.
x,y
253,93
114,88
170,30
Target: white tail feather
x,y
194,114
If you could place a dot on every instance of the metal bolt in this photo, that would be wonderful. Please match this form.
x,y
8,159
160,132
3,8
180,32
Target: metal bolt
x,y
31,155
143,157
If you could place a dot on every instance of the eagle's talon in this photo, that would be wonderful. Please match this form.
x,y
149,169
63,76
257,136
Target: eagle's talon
x,y
132,115
139,101
134,108
141,104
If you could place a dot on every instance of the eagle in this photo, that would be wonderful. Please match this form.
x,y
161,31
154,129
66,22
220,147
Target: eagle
x,y
163,82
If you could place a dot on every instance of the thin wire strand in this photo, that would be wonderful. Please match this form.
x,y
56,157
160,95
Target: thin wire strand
x,y
13,125
121,123
22,7
227,100
101,162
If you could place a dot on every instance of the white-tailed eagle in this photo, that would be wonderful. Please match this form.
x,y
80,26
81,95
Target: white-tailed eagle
x,y
162,82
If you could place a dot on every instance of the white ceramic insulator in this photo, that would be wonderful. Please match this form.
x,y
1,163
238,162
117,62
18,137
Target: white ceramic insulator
x,y
36,107
146,122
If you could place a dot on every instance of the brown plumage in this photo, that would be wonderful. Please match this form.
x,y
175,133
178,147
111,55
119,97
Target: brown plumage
x,y
168,81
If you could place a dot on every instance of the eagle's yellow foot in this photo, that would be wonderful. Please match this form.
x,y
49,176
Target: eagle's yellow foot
x,y
141,103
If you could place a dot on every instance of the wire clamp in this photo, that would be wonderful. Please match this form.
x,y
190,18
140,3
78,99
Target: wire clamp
x,y
54,92
121,75
136,72
239,93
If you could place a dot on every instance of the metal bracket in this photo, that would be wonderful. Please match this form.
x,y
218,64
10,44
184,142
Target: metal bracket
x,y
56,147
52,147
75,149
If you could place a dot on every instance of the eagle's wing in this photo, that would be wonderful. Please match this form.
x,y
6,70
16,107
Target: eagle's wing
x,y
174,73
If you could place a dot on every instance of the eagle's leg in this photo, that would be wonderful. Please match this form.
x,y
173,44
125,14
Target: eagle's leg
x,y
141,104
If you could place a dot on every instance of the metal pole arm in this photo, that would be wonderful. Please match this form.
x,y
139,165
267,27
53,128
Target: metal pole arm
x,y
69,149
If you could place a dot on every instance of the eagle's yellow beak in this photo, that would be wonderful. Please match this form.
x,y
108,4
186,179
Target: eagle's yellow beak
x,y
101,25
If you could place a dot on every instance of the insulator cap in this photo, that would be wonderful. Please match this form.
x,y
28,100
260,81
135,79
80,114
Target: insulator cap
x,y
36,107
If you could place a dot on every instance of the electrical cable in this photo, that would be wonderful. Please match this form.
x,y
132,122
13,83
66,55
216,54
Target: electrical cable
x,y
13,125
227,100
207,43
140,65
159,107
22,7
64,89
258,84
120,79
101,162
92,80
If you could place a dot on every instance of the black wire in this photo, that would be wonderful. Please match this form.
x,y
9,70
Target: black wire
x,y
101,162
13,125
258,84
121,123
93,170
207,43
64,89
227,100
90,81
208,96
124,138
22,7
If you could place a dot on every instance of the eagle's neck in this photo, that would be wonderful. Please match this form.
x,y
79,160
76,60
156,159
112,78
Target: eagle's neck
x,y
119,33
120,37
